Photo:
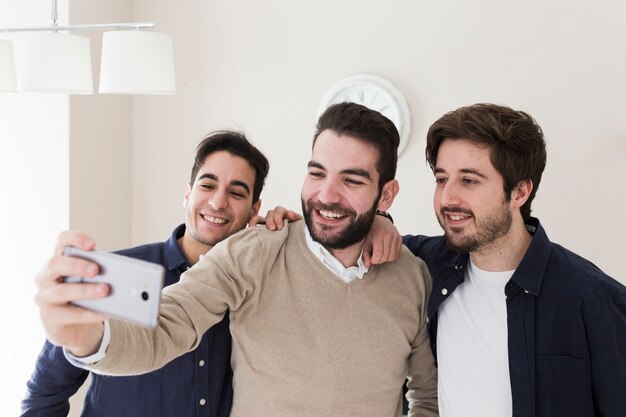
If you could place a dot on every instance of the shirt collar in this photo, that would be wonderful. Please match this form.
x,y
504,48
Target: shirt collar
x,y
530,271
345,274
174,257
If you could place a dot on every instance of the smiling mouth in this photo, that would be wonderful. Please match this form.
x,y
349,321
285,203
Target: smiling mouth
x,y
214,220
331,215
457,217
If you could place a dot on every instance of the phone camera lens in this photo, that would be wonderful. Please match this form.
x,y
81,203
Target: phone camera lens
x,y
144,296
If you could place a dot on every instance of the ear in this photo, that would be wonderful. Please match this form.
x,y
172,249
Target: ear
x,y
255,208
521,192
389,192
186,197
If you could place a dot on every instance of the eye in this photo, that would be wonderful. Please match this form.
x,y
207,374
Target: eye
x,y
207,186
316,174
469,181
440,180
352,181
238,194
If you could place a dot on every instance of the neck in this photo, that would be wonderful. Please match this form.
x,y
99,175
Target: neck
x,y
348,256
506,252
192,249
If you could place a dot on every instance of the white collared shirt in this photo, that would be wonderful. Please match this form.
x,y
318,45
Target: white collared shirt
x,y
347,275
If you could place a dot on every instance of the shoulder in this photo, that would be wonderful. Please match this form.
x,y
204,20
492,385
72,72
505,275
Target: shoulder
x,y
408,268
148,252
579,271
253,245
579,279
422,245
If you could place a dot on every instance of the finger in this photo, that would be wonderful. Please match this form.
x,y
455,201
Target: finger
x,y
64,266
293,216
62,294
397,247
377,253
256,220
280,214
270,222
73,238
69,314
367,254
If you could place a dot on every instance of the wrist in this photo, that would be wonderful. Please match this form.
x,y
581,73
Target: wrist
x,y
384,214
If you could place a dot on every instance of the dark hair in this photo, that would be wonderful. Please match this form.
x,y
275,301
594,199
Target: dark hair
x,y
236,144
515,140
369,126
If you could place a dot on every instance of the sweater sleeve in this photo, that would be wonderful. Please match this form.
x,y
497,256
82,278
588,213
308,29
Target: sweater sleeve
x,y
224,279
422,379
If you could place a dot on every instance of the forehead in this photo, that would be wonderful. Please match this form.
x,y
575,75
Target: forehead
x,y
227,167
463,154
339,152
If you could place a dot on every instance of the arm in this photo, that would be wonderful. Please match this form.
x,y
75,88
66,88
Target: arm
x,y
422,379
607,345
275,219
51,385
224,279
383,242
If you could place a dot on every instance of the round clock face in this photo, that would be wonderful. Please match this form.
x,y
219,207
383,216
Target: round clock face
x,y
377,94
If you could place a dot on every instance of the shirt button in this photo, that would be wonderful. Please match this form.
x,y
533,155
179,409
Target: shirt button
x,y
202,401
444,291
201,363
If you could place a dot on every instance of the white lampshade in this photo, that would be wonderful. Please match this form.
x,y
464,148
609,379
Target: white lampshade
x,y
54,63
7,66
137,62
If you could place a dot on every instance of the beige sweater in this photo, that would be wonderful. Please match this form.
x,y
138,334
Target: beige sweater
x,y
304,342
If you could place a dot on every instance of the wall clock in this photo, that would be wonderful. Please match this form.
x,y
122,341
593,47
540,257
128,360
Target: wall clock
x,y
376,93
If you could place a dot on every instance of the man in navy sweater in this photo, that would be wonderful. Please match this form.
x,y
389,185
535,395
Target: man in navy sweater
x,y
222,196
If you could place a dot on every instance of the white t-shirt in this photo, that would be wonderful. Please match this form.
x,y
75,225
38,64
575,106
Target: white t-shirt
x,y
472,350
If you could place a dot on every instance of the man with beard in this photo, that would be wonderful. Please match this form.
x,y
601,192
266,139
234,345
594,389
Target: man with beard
x,y
520,326
315,333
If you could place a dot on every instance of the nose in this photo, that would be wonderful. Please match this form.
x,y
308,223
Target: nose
x,y
449,194
218,200
328,192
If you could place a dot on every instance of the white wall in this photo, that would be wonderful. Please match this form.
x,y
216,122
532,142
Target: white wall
x,y
34,184
101,141
265,66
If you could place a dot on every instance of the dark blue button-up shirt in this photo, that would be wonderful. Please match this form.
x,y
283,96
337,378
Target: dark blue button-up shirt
x,y
566,323
198,383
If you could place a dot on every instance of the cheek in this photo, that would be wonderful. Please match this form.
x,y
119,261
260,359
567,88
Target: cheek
x,y
308,190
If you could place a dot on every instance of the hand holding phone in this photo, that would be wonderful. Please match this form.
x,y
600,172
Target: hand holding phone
x,y
135,286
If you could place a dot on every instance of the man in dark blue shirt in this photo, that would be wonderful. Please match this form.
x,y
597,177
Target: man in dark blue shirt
x,y
223,195
519,325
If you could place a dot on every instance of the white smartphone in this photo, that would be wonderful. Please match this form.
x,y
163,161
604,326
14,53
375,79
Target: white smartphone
x,y
135,286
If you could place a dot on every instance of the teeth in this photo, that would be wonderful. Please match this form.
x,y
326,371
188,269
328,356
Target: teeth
x,y
330,214
215,220
456,217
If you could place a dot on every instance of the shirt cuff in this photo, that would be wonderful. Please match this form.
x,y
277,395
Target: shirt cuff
x,y
85,361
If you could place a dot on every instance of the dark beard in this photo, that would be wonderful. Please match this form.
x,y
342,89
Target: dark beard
x,y
488,230
356,230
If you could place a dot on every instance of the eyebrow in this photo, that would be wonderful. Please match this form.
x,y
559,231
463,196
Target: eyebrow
x,y
463,170
237,183
350,171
